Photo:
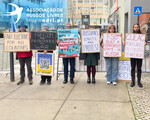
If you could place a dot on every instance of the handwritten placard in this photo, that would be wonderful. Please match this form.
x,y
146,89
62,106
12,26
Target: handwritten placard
x,y
45,64
135,45
43,40
112,45
16,41
90,41
69,43
124,70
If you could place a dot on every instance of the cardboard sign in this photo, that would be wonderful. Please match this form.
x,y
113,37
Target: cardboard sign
x,y
112,45
124,70
43,40
45,64
135,45
16,41
90,41
68,43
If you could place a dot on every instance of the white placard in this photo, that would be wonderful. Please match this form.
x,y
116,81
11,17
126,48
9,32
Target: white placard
x,y
16,41
112,44
135,45
124,70
90,41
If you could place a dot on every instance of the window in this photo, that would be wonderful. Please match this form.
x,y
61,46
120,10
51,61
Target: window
x,y
93,13
86,8
93,1
99,1
99,13
80,1
93,7
86,1
99,7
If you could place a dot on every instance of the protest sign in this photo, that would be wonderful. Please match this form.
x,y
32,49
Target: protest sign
x,y
43,40
16,41
44,64
112,45
68,43
124,71
90,41
135,45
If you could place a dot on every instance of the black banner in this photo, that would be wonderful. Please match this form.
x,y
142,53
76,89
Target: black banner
x,y
43,40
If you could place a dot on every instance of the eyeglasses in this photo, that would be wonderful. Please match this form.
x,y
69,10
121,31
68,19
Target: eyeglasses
x,y
68,26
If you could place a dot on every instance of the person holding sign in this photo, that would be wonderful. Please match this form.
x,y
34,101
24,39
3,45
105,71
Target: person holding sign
x,y
43,77
65,63
25,58
91,60
111,62
136,61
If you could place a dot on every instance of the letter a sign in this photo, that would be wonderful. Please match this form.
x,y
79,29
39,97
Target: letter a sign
x,y
138,10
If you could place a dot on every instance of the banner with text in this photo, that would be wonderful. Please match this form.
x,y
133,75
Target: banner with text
x,y
135,45
90,41
68,43
16,42
112,44
43,40
124,70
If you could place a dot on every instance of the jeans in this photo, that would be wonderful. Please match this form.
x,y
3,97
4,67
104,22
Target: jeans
x,y
72,67
27,61
135,62
112,69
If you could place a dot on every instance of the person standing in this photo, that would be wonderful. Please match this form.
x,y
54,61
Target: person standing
x,y
91,60
136,61
25,58
111,62
65,63
43,77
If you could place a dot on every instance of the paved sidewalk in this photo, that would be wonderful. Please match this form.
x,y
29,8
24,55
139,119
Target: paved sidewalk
x,y
140,98
80,101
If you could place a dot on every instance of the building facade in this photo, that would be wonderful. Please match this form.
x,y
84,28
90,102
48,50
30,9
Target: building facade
x,y
86,12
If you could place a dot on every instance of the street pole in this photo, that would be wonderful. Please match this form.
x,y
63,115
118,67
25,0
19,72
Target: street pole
x,y
138,19
12,77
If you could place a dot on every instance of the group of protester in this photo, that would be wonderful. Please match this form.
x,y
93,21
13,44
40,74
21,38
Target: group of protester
x,y
91,61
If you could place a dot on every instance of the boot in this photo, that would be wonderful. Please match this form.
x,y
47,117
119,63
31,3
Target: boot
x,y
89,80
139,83
133,80
93,80
20,82
71,81
132,84
48,81
65,80
42,82
30,82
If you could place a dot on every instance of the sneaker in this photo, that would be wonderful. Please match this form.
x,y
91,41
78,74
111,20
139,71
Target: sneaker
x,y
114,83
30,82
20,82
108,82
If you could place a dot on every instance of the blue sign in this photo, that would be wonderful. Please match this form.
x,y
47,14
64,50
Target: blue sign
x,y
69,43
138,10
